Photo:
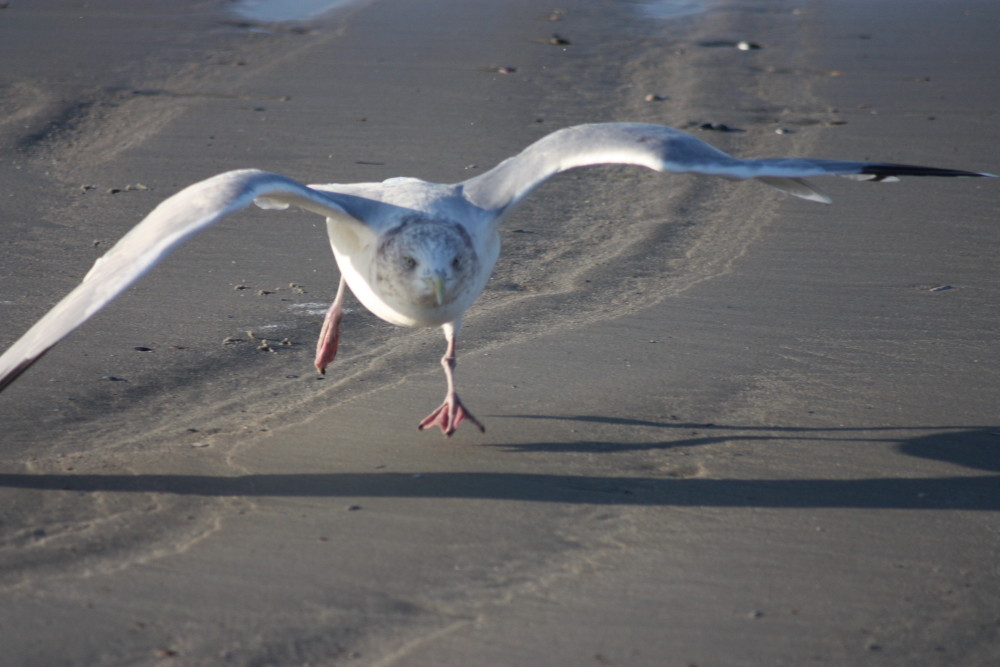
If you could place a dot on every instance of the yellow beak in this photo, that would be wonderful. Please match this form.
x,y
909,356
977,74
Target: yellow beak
x,y
437,282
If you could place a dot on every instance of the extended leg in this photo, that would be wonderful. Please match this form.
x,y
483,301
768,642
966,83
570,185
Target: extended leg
x,y
452,412
329,337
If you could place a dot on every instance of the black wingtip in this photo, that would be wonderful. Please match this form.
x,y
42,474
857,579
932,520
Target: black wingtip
x,y
882,170
15,372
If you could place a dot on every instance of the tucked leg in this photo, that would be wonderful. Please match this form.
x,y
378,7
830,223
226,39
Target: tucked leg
x,y
329,337
452,412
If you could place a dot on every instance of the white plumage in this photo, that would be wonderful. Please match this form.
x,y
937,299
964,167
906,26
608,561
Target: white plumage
x,y
417,254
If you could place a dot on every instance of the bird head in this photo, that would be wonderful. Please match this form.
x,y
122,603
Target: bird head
x,y
425,262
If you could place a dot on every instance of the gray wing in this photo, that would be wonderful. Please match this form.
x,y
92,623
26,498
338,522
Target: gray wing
x,y
662,149
164,229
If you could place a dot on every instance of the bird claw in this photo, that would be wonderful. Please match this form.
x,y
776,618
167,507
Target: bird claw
x,y
448,416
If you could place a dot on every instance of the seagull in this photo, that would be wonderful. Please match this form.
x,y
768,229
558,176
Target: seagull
x,y
418,254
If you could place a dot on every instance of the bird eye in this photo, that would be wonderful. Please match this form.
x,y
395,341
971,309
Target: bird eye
x,y
409,262
456,263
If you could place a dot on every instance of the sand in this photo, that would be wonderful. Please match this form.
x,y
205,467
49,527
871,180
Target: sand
x,y
724,426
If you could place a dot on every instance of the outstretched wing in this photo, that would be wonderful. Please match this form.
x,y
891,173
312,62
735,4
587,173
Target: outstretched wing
x,y
662,149
169,225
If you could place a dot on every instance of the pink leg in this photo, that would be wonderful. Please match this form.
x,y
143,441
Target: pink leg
x,y
329,337
452,412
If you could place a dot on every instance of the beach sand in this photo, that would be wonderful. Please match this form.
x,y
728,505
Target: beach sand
x,y
724,426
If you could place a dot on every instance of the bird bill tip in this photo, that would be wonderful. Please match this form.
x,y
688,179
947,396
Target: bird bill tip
x,y
437,282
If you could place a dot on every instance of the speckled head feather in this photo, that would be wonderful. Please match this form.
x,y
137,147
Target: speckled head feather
x,y
424,262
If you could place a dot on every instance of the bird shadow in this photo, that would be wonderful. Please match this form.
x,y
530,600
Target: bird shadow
x,y
971,447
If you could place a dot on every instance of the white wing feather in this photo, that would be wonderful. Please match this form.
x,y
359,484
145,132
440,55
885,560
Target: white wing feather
x,y
165,228
662,149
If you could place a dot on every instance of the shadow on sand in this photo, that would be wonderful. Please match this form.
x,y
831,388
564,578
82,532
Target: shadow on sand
x,y
972,447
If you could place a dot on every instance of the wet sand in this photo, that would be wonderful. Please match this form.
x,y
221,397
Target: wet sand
x,y
724,426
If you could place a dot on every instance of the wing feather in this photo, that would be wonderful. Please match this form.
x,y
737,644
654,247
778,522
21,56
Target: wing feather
x,y
662,149
169,225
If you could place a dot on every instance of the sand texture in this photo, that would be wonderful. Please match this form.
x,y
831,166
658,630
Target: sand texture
x,y
724,426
